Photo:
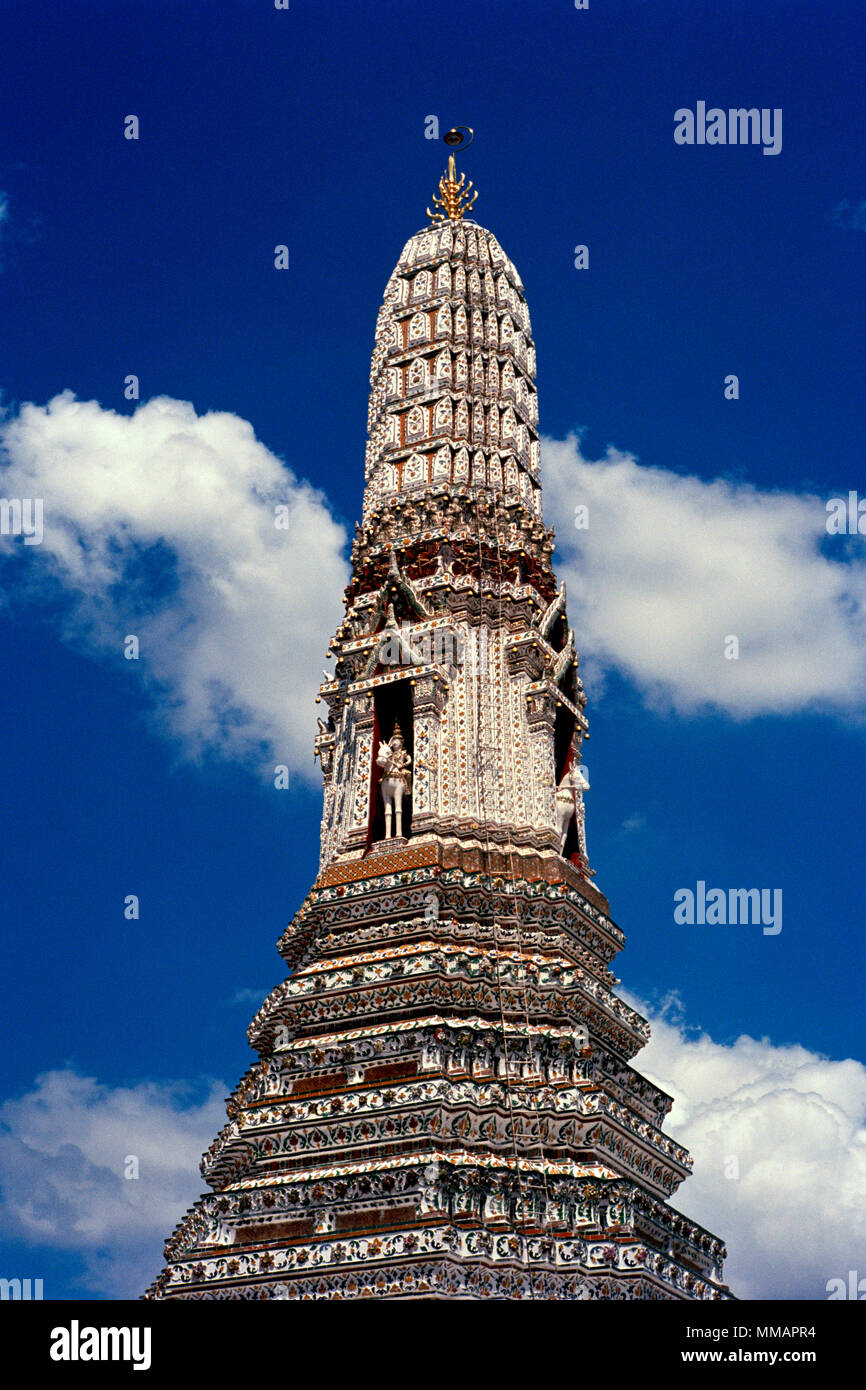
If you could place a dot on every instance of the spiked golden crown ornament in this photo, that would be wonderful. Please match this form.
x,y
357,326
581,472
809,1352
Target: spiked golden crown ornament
x,y
454,197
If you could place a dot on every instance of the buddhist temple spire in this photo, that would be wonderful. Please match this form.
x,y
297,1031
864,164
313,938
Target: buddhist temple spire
x,y
443,1103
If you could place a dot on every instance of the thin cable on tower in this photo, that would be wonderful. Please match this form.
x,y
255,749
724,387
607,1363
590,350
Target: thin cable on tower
x,y
483,794
534,1090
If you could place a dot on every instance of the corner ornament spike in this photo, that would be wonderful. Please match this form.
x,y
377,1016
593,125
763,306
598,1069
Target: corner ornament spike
x,y
453,199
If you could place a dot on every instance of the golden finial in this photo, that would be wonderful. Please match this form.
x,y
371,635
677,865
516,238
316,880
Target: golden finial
x,y
453,199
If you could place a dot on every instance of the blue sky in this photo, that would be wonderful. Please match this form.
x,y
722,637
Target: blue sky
x,y
155,257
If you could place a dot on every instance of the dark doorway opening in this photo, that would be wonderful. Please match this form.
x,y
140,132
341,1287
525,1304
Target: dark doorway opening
x,y
393,705
563,735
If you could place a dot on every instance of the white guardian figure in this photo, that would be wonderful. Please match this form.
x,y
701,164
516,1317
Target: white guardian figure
x,y
396,782
567,805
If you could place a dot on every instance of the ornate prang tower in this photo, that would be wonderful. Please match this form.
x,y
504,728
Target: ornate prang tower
x,y
443,1104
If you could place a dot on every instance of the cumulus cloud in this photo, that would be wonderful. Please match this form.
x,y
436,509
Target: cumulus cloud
x,y
249,996
64,1148
778,1138
162,525
670,566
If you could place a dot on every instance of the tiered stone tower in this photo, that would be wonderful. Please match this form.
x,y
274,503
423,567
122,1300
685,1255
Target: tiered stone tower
x,y
443,1104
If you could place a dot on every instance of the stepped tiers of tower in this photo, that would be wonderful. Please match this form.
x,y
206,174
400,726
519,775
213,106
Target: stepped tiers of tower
x,y
444,1103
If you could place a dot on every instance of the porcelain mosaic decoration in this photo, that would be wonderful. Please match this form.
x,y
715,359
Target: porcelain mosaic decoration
x,y
443,1104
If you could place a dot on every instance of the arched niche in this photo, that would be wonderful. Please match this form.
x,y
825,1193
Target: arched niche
x,y
563,748
392,705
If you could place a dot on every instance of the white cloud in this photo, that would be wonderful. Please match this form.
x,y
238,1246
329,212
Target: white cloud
x,y
670,566
161,524
795,1122
63,1148
249,996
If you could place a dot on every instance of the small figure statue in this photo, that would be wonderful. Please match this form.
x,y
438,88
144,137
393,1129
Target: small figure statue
x,y
574,781
396,781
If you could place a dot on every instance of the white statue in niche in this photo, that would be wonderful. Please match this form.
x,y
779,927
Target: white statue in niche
x,y
396,782
574,781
